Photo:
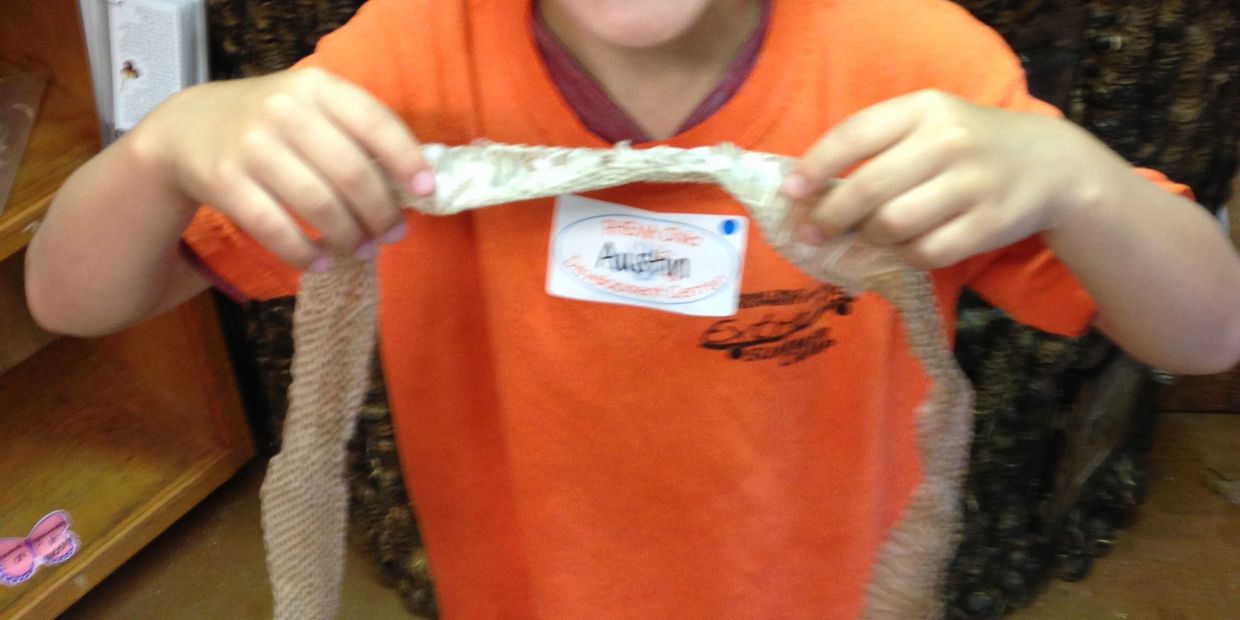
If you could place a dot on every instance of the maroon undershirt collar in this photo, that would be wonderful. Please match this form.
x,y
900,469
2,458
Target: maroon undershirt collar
x,y
600,114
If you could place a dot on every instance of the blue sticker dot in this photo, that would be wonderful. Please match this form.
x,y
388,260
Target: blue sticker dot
x,y
728,226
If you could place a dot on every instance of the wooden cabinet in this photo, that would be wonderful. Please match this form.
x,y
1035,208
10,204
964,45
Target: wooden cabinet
x,y
125,433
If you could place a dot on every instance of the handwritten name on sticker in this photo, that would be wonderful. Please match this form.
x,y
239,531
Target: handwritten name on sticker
x,y
49,543
683,263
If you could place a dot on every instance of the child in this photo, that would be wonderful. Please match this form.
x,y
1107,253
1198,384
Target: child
x,y
569,459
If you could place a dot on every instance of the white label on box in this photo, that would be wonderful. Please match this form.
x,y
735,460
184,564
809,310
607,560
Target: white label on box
x,y
675,262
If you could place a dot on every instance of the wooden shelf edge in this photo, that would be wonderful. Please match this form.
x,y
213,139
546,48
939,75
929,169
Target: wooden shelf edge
x,y
188,433
16,231
99,558
20,336
47,37
65,135
152,376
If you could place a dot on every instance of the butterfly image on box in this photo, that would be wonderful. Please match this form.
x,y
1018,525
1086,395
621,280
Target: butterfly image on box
x,y
50,542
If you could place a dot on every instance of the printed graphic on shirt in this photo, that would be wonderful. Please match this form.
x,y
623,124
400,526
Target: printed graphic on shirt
x,y
787,326
674,262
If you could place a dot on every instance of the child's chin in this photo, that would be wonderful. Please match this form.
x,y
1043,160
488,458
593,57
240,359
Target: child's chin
x,y
637,24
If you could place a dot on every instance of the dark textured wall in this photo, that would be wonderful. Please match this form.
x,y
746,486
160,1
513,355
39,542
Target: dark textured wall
x,y
1157,80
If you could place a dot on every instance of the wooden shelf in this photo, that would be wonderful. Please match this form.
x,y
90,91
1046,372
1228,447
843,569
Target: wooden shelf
x,y
65,136
20,337
125,434
46,36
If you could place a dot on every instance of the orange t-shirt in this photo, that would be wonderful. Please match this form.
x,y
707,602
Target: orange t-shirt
x,y
570,459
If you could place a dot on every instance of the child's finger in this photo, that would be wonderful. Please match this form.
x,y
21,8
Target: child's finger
x,y
381,132
973,232
799,219
255,211
946,245
891,174
308,195
915,212
346,167
860,137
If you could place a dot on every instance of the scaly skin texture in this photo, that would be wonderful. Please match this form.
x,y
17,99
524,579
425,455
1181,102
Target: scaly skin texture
x,y
909,574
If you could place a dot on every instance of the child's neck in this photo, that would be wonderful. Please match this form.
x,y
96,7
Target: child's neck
x,y
660,87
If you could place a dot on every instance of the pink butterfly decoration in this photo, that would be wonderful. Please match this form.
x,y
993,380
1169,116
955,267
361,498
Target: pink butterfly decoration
x,y
50,542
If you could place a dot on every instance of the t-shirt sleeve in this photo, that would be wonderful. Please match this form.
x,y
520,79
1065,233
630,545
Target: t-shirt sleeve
x,y
233,262
1026,279
229,258
1029,282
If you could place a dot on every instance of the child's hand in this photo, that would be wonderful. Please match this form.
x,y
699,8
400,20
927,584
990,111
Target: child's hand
x,y
296,144
947,179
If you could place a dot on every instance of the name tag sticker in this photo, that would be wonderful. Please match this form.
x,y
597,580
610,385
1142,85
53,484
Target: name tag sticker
x,y
676,262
